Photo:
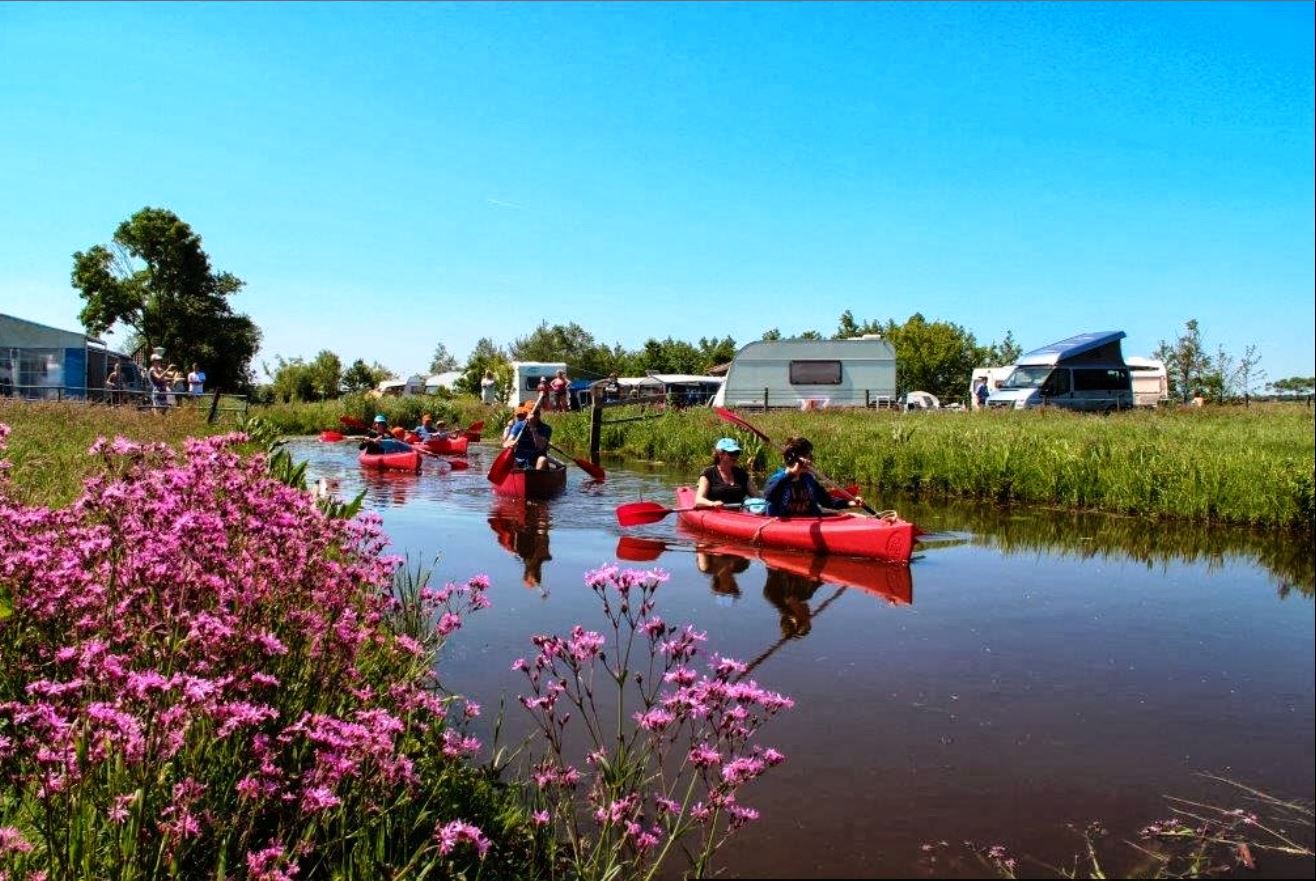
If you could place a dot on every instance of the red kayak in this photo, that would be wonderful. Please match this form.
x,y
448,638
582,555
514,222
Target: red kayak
x,y
404,461
447,446
533,483
890,540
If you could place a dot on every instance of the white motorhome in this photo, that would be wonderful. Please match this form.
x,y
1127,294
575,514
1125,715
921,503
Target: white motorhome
x,y
995,377
811,373
1084,372
526,376
1151,383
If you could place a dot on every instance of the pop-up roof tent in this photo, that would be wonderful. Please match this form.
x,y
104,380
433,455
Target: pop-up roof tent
x,y
1100,347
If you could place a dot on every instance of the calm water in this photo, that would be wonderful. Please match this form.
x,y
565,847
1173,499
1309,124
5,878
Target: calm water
x,y
1027,670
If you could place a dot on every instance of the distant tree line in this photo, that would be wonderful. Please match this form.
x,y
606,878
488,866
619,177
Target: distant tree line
x,y
155,278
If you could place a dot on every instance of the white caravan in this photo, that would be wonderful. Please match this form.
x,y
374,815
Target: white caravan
x,y
526,376
809,374
1151,384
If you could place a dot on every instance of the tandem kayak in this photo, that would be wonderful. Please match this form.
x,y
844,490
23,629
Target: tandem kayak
x,y
532,483
890,540
446,446
398,461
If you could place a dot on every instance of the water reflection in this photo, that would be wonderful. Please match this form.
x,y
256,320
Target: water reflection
x,y
722,570
522,528
387,488
1289,556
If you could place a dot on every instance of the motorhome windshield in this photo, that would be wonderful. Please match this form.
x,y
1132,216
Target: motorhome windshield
x,y
1027,377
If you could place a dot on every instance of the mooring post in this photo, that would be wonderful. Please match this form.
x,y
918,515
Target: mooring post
x,y
595,425
765,399
214,408
867,399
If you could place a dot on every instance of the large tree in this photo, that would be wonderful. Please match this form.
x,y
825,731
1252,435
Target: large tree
x,y
155,278
443,360
936,356
361,377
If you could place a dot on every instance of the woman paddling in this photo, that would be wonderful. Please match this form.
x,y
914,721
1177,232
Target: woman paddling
x,y
793,491
724,482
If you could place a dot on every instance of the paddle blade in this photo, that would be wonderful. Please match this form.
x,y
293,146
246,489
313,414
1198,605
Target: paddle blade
x,y
639,550
331,437
458,464
727,416
591,469
640,513
502,465
476,426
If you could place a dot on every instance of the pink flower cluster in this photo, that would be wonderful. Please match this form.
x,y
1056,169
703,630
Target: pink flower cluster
x,y
714,716
192,639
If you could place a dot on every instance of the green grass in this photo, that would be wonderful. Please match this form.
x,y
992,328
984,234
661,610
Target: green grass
x,y
1234,465
49,441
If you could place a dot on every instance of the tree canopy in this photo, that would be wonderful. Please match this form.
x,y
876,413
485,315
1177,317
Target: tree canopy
x,y
155,278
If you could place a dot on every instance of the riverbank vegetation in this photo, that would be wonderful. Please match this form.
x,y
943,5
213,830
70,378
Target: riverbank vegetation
x,y
1236,465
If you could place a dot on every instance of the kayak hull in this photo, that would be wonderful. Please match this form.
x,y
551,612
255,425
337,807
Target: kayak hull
x,y
889,540
406,461
448,446
541,483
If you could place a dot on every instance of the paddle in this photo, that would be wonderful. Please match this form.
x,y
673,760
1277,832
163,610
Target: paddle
x,y
585,465
727,416
474,430
352,422
457,464
640,513
639,550
503,465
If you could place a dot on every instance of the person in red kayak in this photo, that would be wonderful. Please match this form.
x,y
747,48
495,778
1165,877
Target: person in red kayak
x,y
793,491
530,438
724,482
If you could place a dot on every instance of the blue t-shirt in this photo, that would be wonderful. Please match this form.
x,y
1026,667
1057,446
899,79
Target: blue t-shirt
x,y
526,447
804,497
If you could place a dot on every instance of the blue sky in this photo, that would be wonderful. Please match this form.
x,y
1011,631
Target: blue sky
x,y
386,177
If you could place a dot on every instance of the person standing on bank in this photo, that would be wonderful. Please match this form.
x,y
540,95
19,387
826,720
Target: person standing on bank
x,y
793,491
196,381
159,379
560,386
489,388
724,482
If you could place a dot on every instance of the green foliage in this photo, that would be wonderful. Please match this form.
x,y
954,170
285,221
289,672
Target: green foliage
x,y
443,360
936,357
312,417
362,378
1294,385
1252,466
155,278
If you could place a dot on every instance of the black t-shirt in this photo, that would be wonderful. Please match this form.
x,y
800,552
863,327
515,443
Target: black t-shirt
x,y
728,493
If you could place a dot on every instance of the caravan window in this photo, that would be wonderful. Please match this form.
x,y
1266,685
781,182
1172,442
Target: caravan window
x,y
815,373
1099,380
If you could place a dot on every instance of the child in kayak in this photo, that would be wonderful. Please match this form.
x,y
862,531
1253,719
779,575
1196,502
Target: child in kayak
x,y
793,491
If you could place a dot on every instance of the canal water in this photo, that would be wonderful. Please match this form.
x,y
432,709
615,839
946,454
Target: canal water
x,y
1028,671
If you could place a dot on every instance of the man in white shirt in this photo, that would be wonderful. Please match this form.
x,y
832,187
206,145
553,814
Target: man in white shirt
x,y
196,381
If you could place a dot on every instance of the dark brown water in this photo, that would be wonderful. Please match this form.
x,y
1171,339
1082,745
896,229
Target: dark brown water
x,y
1029,670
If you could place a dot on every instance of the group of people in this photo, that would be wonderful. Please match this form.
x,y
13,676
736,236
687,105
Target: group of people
x,y
167,383
529,436
380,438
791,491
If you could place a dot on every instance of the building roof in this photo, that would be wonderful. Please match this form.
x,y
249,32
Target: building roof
x,y
1072,347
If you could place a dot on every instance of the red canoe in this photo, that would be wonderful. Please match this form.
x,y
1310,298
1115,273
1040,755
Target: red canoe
x,y
404,461
533,484
447,446
890,540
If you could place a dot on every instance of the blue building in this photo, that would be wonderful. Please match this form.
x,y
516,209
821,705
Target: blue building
x,y
46,363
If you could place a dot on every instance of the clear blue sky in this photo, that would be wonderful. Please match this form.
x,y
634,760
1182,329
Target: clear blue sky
x,y
386,177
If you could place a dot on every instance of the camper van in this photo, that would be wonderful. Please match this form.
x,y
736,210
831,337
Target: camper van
x,y
526,376
1084,372
1151,383
809,374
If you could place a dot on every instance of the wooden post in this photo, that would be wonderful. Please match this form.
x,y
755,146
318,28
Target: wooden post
x,y
595,426
867,402
214,407
765,399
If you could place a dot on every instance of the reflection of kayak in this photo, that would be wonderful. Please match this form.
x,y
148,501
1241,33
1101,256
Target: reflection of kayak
x,y
399,461
888,580
890,540
532,483
447,446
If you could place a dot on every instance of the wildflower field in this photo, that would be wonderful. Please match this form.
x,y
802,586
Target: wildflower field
x,y
206,673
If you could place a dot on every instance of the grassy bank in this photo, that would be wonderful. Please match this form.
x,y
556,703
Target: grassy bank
x,y
1229,464
48,446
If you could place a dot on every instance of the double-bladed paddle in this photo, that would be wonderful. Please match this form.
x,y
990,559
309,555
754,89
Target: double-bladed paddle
x,y
727,416
640,513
